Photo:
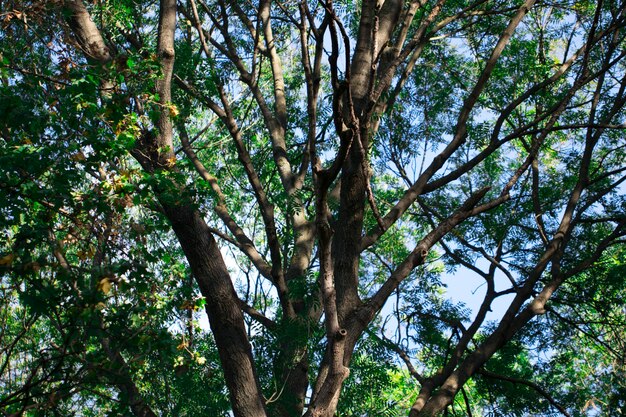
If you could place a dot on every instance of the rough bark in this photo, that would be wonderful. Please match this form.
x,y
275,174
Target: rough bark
x,y
225,316
347,237
201,250
382,56
87,33
155,152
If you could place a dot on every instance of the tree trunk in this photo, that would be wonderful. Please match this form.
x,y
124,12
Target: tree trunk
x,y
225,316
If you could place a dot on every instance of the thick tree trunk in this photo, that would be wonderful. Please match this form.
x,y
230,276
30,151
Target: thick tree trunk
x,y
346,242
293,383
375,29
225,316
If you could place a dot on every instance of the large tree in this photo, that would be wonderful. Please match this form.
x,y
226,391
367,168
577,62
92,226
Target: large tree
x,y
320,172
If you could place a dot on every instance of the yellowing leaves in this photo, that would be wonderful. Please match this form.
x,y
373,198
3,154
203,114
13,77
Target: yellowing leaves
x,y
171,162
86,254
128,127
13,14
78,157
7,260
118,185
173,110
193,305
105,285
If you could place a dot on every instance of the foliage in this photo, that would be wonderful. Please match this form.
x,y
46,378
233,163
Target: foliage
x,y
322,179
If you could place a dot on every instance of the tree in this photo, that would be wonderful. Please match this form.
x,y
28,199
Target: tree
x,y
347,156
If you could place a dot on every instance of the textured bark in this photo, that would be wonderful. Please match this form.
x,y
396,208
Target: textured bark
x,y
225,316
201,250
294,377
388,45
163,86
155,152
348,230
86,32
89,40
375,29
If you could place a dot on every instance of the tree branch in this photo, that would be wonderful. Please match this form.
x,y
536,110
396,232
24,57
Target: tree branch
x,y
530,384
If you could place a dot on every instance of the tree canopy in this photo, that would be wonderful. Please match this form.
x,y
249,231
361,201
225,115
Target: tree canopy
x,y
323,180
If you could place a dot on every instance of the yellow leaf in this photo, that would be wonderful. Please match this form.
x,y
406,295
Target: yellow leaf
x,y
78,156
118,185
7,260
105,285
173,110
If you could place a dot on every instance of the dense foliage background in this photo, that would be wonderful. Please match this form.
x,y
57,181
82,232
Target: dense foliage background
x,y
358,163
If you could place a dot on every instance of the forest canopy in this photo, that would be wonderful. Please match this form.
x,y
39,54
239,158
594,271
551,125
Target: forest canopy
x,y
312,208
